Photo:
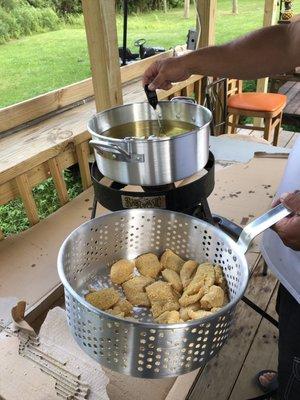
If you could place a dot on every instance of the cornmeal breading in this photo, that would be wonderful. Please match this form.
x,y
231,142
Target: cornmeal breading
x,y
214,298
123,306
134,290
171,260
199,314
226,298
173,278
205,272
169,317
162,298
194,287
121,271
148,265
104,298
220,277
116,313
187,271
187,299
184,310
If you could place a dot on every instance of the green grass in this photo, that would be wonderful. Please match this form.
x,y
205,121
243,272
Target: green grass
x,y
43,62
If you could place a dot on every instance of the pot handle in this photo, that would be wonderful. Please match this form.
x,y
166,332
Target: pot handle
x,y
184,99
117,154
260,224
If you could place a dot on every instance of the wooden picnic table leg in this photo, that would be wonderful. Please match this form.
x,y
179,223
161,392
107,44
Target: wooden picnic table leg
x,y
27,198
59,181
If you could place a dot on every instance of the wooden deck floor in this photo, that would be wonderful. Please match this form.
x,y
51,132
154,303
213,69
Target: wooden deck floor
x,y
291,114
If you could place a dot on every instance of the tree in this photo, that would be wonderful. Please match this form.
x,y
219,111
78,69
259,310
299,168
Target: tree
x,y
235,10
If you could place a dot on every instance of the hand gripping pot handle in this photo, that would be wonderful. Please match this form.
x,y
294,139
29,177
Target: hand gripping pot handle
x,y
260,224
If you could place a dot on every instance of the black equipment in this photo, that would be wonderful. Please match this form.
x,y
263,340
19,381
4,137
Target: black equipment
x,y
146,52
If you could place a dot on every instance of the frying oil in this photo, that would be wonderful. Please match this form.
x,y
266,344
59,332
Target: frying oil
x,y
145,129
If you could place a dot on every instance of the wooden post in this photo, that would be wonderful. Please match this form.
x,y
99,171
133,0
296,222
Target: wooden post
x,y
206,11
101,32
186,8
165,6
235,10
269,19
83,152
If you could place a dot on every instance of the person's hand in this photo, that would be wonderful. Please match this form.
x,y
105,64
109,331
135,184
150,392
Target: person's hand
x,y
288,228
162,73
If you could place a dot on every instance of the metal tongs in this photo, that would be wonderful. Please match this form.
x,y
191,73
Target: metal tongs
x,y
153,101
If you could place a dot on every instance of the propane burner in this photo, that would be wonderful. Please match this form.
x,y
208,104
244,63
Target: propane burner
x,y
188,196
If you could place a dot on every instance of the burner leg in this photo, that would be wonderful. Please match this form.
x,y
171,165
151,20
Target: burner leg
x,y
206,211
95,203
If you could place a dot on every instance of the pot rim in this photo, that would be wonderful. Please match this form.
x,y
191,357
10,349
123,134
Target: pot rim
x,y
151,139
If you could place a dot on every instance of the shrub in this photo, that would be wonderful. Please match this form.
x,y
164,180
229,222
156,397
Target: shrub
x,y
67,6
9,27
27,19
49,19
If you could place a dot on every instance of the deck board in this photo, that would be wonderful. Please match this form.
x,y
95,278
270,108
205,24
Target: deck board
x,y
262,355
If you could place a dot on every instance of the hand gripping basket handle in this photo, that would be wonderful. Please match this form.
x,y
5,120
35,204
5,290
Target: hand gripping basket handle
x,y
260,224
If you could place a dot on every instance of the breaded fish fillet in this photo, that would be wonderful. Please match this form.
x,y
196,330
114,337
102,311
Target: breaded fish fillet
x,y
169,317
214,298
148,265
171,260
121,271
162,298
103,299
134,290
187,271
173,278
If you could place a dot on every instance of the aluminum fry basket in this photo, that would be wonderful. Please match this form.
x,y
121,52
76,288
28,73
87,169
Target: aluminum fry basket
x,y
141,347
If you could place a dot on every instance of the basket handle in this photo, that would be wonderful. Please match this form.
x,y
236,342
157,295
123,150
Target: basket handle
x,y
260,224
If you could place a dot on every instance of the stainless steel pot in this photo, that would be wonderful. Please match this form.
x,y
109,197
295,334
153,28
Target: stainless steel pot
x,y
156,160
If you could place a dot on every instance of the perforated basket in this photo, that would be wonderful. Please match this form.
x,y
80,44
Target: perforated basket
x,y
141,347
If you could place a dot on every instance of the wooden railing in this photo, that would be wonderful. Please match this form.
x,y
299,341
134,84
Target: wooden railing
x,y
21,172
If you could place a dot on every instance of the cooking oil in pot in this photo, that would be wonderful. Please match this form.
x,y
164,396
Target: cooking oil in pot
x,y
145,129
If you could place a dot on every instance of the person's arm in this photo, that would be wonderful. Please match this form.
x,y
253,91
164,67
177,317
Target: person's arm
x,y
288,228
265,52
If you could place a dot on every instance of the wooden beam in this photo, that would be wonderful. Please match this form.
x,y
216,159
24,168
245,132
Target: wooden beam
x,y
206,12
27,198
28,110
83,152
59,181
269,19
186,9
101,32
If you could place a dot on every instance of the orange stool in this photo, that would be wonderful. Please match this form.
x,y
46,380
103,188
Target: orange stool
x,y
268,106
